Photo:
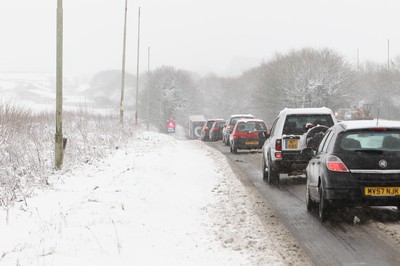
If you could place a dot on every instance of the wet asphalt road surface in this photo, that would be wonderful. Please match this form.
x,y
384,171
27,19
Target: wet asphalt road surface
x,y
337,241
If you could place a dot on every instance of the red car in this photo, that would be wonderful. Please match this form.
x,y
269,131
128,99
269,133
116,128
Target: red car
x,y
248,134
205,131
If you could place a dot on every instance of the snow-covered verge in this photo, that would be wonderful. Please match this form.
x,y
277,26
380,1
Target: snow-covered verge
x,y
158,201
27,145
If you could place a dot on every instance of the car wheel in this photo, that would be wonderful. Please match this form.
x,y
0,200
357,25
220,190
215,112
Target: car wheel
x,y
310,204
264,166
322,205
227,141
273,176
233,148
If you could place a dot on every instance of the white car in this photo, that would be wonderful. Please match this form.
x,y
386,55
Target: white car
x,y
285,148
230,123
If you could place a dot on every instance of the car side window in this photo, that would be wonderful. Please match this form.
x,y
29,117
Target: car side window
x,y
322,146
273,127
328,141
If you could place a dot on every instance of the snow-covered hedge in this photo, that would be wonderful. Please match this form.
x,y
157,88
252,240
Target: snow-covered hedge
x,y
27,145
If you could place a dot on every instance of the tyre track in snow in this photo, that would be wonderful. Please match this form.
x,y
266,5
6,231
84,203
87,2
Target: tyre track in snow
x,y
335,242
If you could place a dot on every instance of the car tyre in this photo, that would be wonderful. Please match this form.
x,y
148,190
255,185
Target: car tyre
x,y
264,166
272,176
322,205
227,141
234,148
310,204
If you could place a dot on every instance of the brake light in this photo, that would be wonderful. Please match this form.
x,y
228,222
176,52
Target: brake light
x,y
333,163
214,128
379,129
278,155
278,145
228,127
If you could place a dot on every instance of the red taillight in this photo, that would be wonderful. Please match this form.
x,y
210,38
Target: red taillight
x,y
278,155
214,128
379,129
228,127
278,145
334,164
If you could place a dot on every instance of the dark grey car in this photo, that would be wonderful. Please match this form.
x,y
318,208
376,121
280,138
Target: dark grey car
x,y
357,163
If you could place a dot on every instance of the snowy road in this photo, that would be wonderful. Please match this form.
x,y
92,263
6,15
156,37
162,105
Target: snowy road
x,y
374,241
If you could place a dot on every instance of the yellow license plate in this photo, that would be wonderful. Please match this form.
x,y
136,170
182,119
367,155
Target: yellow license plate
x,y
382,191
251,142
292,143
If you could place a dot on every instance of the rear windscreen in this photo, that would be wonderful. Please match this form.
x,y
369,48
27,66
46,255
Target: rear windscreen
x,y
251,126
296,124
220,124
234,120
385,140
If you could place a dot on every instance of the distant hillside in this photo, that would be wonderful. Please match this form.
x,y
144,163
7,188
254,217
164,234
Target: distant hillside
x,y
103,90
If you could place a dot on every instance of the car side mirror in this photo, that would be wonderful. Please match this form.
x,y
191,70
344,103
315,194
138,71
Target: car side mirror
x,y
263,134
309,152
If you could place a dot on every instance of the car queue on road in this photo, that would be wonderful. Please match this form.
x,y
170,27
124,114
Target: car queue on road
x,y
348,163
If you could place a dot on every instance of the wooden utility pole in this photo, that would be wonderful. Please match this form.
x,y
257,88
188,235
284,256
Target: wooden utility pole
x,y
59,150
137,71
148,88
388,55
121,106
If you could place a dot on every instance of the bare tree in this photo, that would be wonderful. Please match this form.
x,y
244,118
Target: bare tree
x,y
378,85
170,91
307,78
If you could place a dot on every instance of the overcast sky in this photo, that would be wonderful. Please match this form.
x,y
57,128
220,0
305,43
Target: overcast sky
x,y
220,36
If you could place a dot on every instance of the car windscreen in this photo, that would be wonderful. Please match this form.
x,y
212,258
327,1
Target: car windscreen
x,y
370,140
296,124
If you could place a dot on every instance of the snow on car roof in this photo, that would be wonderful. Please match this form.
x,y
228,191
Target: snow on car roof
x,y
250,120
239,115
319,110
197,118
215,119
357,124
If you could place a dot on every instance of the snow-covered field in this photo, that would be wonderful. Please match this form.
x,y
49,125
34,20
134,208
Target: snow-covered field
x,y
158,201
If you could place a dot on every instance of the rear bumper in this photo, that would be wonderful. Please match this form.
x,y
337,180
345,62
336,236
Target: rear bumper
x,y
345,189
355,197
243,144
291,162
